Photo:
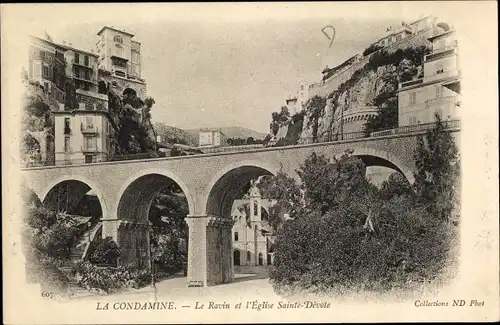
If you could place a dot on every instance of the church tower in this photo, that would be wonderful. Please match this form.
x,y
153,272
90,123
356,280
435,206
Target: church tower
x,y
255,204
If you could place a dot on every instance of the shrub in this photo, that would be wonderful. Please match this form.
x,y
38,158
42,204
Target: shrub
x,y
46,271
372,48
103,251
111,279
334,251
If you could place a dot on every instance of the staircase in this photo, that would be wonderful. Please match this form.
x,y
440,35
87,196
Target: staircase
x,y
79,252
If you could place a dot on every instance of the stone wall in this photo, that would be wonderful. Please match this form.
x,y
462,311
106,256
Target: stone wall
x,y
252,269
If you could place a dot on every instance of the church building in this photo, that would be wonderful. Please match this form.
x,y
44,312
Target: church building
x,y
253,236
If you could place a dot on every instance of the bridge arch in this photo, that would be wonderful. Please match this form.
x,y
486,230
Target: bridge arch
x,y
229,183
80,185
377,157
139,190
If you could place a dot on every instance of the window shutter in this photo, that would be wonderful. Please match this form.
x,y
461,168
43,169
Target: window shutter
x,y
37,69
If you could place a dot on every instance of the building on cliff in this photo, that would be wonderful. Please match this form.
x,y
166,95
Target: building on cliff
x,y
295,103
77,85
84,131
252,236
66,78
438,91
355,103
120,61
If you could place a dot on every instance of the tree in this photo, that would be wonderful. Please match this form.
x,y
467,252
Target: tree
x,y
387,112
287,194
149,102
250,140
30,149
353,237
436,159
327,184
167,213
36,114
278,118
104,251
315,108
396,185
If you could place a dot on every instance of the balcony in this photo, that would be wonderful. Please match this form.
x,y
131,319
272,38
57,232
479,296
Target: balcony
x,y
449,74
83,65
85,78
441,52
88,149
89,129
447,104
410,83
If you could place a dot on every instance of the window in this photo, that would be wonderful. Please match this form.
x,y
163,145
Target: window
x,y
255,209
399,38
260,259
90,143
413,98
118,39
88,159
90,121
45,71
439,91
86,86
67,144
302,87
135,57
87,75
86,60
249,256
67,129
236,236
441,44
412,120
236,257
77,58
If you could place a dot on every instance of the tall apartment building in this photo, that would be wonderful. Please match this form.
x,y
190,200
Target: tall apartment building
x,y
46,69
438,92
84,132
119,59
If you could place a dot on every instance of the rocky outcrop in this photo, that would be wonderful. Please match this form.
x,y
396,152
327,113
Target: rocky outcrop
x,y
352,91
356,99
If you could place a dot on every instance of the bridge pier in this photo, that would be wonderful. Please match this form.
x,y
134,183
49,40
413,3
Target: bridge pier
x,y
132,238
209,252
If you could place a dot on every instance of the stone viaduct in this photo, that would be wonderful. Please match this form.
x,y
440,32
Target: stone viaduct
x,y
211,182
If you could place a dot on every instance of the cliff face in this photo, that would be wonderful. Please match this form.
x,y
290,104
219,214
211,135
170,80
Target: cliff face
x,y
355,99
361,97
359,90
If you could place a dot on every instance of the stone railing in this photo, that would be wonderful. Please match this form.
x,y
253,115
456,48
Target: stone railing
x,y
452,125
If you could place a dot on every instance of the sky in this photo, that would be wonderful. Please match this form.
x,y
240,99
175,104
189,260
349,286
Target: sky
x,y
207,67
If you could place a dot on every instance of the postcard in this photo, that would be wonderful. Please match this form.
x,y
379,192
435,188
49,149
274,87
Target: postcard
x,y
250,162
